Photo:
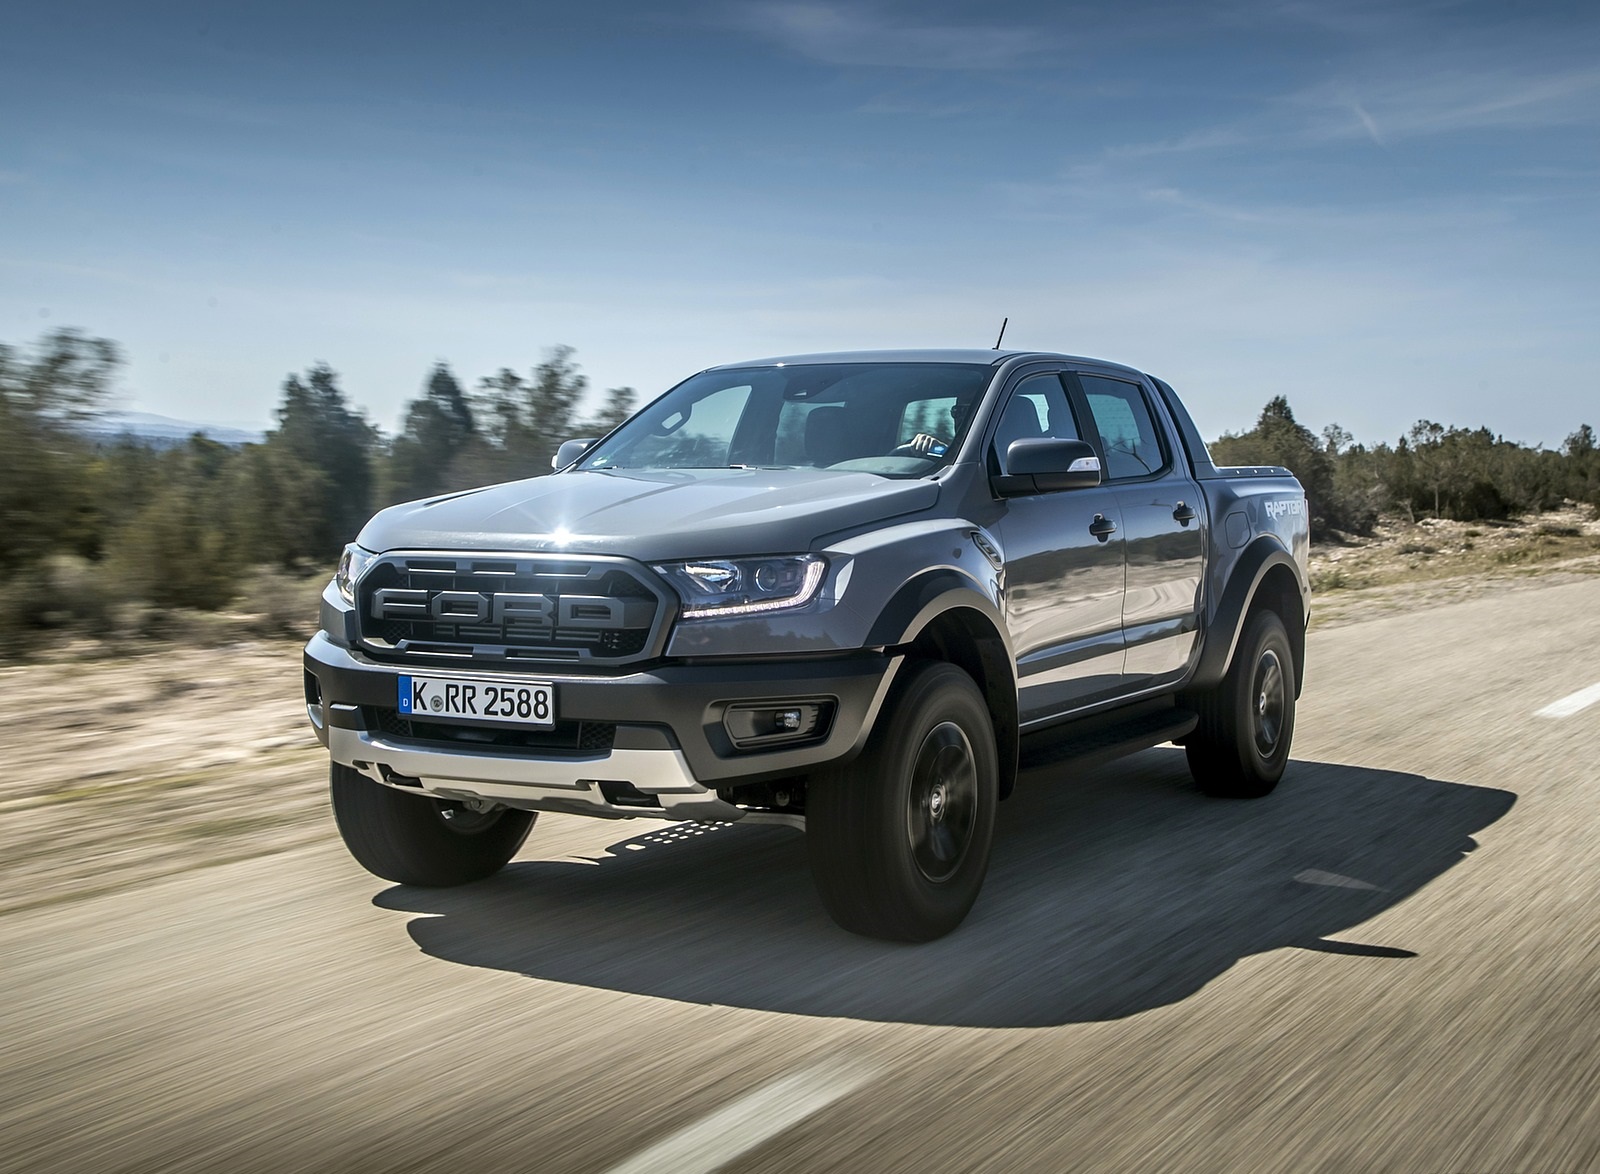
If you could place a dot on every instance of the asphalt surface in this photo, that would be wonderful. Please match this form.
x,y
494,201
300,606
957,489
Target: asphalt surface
x,y
1392,963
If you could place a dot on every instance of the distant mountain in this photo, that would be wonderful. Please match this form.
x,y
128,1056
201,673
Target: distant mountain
x,y
163,431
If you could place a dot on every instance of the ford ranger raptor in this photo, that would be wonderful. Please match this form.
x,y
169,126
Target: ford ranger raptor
x,y
848,593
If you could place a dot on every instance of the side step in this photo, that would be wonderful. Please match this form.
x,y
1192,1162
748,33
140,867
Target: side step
x,y
1104,737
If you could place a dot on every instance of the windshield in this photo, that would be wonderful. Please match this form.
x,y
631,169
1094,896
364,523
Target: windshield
x,y
894,419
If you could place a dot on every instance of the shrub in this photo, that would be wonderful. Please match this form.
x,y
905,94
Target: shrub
x,y
282,604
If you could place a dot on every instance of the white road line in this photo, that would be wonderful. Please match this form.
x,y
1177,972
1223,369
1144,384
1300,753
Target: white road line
x,y
716,1140
1572,704
1333,880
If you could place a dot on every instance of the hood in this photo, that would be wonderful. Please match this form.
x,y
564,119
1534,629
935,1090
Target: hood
x,y
651,514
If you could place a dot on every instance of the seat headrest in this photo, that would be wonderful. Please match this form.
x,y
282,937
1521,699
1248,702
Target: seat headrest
x,y
827,436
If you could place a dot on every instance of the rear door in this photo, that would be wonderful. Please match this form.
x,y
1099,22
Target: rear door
x,y
1163,522
1064,565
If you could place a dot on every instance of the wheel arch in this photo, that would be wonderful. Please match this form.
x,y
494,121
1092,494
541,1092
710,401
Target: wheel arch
x,y
941,616
1265,576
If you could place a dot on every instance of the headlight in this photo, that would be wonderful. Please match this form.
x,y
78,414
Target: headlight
x,y
743,586
352,563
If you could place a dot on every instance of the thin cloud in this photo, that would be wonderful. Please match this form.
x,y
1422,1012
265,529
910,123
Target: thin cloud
x,y
845,35
1386,110
893,104
1177,198
1206,139
1449,100
1368,122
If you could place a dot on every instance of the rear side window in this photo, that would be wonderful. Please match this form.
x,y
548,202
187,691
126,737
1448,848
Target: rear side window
x,y
1128,434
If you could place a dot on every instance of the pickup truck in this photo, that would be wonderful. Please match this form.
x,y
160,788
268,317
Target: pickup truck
x,y
848,593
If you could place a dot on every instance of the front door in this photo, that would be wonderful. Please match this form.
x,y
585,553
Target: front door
x,y
1064,568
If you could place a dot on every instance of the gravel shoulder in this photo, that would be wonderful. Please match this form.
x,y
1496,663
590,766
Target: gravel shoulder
x,y
1409,565
120,770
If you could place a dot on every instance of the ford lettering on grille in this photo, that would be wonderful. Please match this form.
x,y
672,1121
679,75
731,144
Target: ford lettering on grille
x,y
516,609
473,607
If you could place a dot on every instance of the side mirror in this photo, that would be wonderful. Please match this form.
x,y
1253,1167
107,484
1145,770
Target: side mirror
x,y
570,451
1044,465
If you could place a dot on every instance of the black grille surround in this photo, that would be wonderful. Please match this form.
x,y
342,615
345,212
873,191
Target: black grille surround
x,y
512,610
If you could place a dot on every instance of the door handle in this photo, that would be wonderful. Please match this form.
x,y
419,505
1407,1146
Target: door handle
x,y
1102,527
1184,513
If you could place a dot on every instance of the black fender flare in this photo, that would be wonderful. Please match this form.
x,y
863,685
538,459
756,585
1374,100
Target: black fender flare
x,y
1263,557
981,646
924,596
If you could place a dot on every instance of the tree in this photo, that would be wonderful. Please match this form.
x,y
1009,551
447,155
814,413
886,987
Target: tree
x,y
44,496
1426,445
176,551
1335,440
318,434
619,405
438,427
1582,453
552,400
525,421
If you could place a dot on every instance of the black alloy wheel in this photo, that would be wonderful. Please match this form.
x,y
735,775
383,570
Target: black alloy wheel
x,y
899,839
1270,691
1241,746
942,807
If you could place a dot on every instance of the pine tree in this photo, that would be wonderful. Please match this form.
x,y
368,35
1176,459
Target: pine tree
x,y
318,434
438,427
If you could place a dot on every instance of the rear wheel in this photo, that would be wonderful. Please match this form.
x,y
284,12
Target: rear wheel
x,y
899,839
1241,746
419,840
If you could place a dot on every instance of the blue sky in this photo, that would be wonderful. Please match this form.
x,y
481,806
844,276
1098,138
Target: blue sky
x,y
1384,211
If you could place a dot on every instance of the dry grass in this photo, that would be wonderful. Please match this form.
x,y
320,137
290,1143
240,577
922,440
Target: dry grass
x,y
121,769
73,608
1405,565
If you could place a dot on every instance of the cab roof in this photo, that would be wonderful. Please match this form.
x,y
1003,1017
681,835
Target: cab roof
x,y
983,356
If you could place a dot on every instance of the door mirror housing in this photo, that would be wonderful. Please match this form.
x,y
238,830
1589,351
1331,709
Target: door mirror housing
x,y
1045,465
570,451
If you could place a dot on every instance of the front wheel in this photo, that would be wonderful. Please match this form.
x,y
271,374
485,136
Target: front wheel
x,y
419,840
899,839
1241,746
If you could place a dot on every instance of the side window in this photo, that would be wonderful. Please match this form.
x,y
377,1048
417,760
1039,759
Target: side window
x,y
930,416
1127,432
1038,407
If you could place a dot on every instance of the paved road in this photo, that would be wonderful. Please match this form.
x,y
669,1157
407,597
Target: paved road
x,y
1393,963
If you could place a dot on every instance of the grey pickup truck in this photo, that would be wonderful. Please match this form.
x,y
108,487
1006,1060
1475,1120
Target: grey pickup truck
x,y
844,592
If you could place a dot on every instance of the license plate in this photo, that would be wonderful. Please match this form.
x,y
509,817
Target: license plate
x,y
524,702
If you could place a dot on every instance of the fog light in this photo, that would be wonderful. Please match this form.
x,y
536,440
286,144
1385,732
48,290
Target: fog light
x,y
751,725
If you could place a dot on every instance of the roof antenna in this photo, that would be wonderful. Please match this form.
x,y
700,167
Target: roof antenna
x,y
1003,322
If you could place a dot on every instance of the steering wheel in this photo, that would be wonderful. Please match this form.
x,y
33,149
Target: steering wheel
x,y
911,448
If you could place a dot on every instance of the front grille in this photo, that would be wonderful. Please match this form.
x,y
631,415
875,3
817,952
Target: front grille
x,y
569,737
511,609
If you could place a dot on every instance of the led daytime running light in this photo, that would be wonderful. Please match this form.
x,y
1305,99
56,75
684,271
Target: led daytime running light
x,y
808,588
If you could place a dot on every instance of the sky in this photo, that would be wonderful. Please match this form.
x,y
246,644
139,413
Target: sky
x,y
1383,211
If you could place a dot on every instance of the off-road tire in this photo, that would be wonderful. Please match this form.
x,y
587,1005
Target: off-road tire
x,y
418,840
1241,746
899,839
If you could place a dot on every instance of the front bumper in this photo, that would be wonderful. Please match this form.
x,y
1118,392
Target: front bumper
x,y
669,755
